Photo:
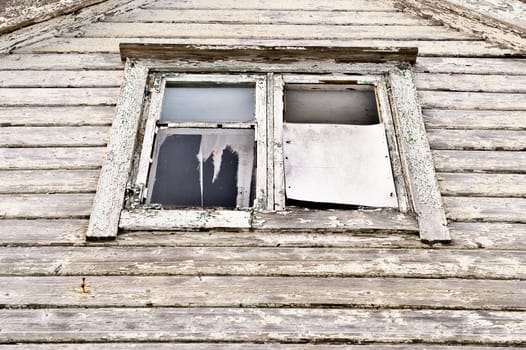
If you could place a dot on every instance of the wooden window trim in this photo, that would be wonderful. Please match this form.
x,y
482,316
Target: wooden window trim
x,y
396,82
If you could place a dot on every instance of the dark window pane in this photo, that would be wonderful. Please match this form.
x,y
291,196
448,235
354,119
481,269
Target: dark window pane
x,y
208,104
334,104
202,168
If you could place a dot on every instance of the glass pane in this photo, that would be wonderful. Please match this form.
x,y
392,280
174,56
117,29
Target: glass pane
x,y
208,104
202,168
335,104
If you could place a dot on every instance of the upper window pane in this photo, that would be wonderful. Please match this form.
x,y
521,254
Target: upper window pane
x,y
331,104
218,103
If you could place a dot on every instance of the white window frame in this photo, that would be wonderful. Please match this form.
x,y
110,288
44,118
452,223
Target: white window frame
x,y
420,205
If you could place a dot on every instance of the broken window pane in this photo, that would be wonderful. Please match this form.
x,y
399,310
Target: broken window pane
x,y
221,103
340,164
202,168
335,104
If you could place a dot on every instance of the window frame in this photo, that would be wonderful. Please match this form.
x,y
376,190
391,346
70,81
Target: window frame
x,y
420,210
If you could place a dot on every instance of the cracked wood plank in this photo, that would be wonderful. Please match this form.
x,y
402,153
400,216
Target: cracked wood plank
x,y
489,185
486,209
60,78
481,161
472,100
54,61
47,136
48,181
57,116
471,65
487,140
57,96
51,158
474,119
53,206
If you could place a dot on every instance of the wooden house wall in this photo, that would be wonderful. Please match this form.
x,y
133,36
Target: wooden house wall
x,y
215,290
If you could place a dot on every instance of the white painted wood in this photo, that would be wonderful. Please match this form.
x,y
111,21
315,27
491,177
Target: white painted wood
x,y
471,65
184,219
57,116
263,261
474,119
488,209
47,79
52,158
37,136
270,142
115,171
59,61
52,206
488,235
470,82
260,201
472,100
48,181
266,31
416,158
57,96
279,168
482,161
280,325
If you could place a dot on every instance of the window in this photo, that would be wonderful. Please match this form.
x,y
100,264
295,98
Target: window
x,y
259,145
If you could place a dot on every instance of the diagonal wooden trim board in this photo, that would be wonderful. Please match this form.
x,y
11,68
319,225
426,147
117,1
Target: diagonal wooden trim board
x,y
283,54
484,19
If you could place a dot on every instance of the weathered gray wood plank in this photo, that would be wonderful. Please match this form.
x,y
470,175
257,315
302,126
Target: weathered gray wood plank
x,y
417,159
470,82
45,136
60,62
57,96
262,261
56,116
489,235
488,161
486,209
351,5
234,291
29,78
471,65
262,325
473,119
472,100
109,198
267,31
489,185
48,181
52,158
425,47
31,206
488,140
42,232
250,16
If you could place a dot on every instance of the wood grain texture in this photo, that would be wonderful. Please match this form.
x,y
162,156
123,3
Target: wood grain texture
x,y
42,232
262,261
37,136
489,235
55,78
472,65
34,206
489,140
31,61
472,100
470,82
57,116
234,291
485,161
425,47
486,209
259,325
474,119
489,185
242,346
52,158
57,96
48,181
266,31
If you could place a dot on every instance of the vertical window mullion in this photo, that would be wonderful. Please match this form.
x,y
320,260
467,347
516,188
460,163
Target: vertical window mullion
x,y
260,201
279,177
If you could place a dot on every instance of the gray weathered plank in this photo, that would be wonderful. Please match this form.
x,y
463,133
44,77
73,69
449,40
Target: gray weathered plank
x,y
351,5
473,119
109,199
267,31
60,61
471,82
262,325
42,232
425,47
48,181
471,65
234,291
52,158
33,206
488,161
29,78
416,158
46,136
486,209
263,261
489,235
250,16
472,100
57,96
56,116
489,185
489,140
